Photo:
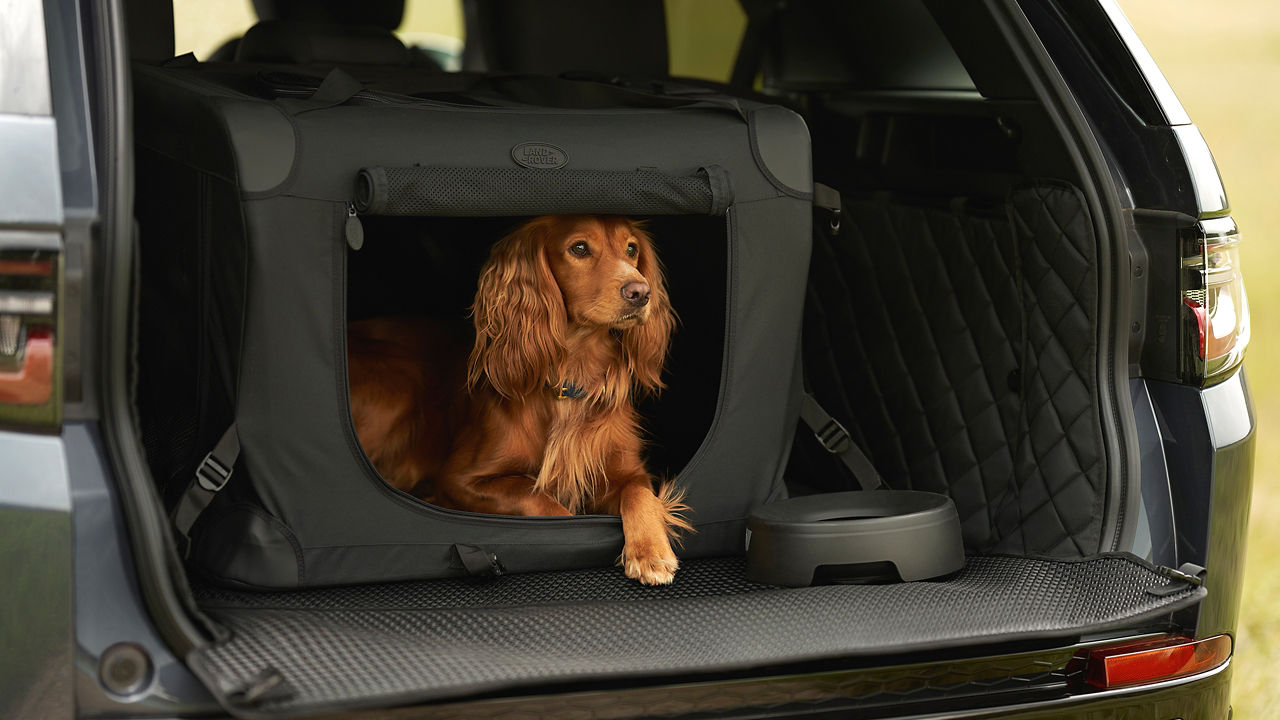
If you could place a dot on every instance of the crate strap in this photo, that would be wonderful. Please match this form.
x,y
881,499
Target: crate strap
x,y
211,476
835,440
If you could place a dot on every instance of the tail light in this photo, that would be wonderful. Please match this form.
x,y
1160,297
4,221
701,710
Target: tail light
x,y
1152,661
29,377
1215,306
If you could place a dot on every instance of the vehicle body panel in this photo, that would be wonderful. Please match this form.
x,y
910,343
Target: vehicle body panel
x,y
35,502
109,608
35,562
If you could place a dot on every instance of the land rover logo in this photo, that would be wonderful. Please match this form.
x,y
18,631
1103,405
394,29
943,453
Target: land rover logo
x,y
539,156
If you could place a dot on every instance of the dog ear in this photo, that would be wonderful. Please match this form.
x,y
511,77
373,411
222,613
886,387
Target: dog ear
x,y
645,346
519,315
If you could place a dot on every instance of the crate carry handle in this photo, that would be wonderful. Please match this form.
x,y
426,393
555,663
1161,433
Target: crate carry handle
x,y
491,192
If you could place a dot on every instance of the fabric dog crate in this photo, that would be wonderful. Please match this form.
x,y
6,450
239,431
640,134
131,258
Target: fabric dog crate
x,y
245,205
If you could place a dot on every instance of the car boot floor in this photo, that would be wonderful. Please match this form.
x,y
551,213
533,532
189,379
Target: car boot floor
x,y
292,652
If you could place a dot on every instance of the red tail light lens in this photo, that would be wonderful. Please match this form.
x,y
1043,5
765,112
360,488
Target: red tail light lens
x,y
31,382
1167,658
1216,316
26,267
29,377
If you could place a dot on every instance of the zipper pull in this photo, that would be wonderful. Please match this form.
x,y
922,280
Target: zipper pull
x,y
353,230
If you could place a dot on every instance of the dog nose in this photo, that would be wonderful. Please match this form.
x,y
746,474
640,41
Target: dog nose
x,y
636,292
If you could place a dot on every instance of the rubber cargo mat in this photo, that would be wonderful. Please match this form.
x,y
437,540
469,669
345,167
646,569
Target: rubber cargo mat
x,y
288,653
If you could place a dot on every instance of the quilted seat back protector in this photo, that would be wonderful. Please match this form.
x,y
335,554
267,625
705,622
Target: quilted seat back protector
x,y
255,193
975,324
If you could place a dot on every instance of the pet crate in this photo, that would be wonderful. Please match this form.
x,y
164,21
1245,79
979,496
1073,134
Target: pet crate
x,y
247,191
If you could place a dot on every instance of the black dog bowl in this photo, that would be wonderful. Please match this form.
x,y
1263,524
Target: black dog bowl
x,y
877,535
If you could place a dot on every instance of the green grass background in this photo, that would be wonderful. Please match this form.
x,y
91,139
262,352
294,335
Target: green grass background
x,y
1223,59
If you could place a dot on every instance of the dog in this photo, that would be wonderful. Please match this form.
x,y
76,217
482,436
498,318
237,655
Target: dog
x,y
571,323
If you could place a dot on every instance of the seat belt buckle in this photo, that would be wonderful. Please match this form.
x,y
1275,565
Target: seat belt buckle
x,y
212,474
833,437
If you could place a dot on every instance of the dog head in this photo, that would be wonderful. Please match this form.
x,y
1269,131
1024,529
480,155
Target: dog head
x,y
559,274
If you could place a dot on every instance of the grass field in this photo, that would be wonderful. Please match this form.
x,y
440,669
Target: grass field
x,y
1223,59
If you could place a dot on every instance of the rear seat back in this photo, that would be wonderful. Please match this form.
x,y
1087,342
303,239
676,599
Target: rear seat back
x,y
298,32
301,42
551,37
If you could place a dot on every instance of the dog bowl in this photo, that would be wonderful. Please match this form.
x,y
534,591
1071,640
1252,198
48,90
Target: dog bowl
x,y
854,536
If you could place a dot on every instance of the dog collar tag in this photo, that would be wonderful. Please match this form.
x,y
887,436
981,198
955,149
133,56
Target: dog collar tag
x,y
569,390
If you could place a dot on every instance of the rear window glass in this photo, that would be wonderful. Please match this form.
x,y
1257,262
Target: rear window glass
x,y
203,26
868,45
703,37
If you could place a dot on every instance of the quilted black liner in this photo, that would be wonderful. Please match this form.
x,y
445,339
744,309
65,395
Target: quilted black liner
x,y
957,342
381,644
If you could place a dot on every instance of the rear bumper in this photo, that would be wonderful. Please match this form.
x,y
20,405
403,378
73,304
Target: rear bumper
x,y
1208,438
1202,697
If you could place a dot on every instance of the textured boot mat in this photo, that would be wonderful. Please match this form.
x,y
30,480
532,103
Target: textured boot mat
x,y
343,648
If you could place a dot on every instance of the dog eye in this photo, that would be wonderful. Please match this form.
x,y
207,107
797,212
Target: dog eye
x,y
632,250
580,249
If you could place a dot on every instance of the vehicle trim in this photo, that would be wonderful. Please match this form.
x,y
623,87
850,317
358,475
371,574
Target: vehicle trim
x,y
1081,697
24,62
29,178
1119,432
1169,104
157,561
1210,194
35,476
819,690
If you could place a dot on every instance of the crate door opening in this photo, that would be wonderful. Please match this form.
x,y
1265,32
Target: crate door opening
x,y
410,296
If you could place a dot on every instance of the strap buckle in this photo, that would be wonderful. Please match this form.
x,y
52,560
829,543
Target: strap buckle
x,y
833,437
828,198
1187,573
212,474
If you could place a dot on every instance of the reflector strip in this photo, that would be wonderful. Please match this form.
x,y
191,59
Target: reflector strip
x,y
26,267
1157,661
26,303
10,334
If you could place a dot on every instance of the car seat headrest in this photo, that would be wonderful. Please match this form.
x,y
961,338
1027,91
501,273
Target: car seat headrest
x,y
385,14
301,42
551,37
149,24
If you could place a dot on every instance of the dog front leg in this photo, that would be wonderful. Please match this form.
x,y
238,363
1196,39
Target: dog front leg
x,y
498,495
649,522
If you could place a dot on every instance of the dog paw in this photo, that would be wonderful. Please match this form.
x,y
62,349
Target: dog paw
x,y
649,568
